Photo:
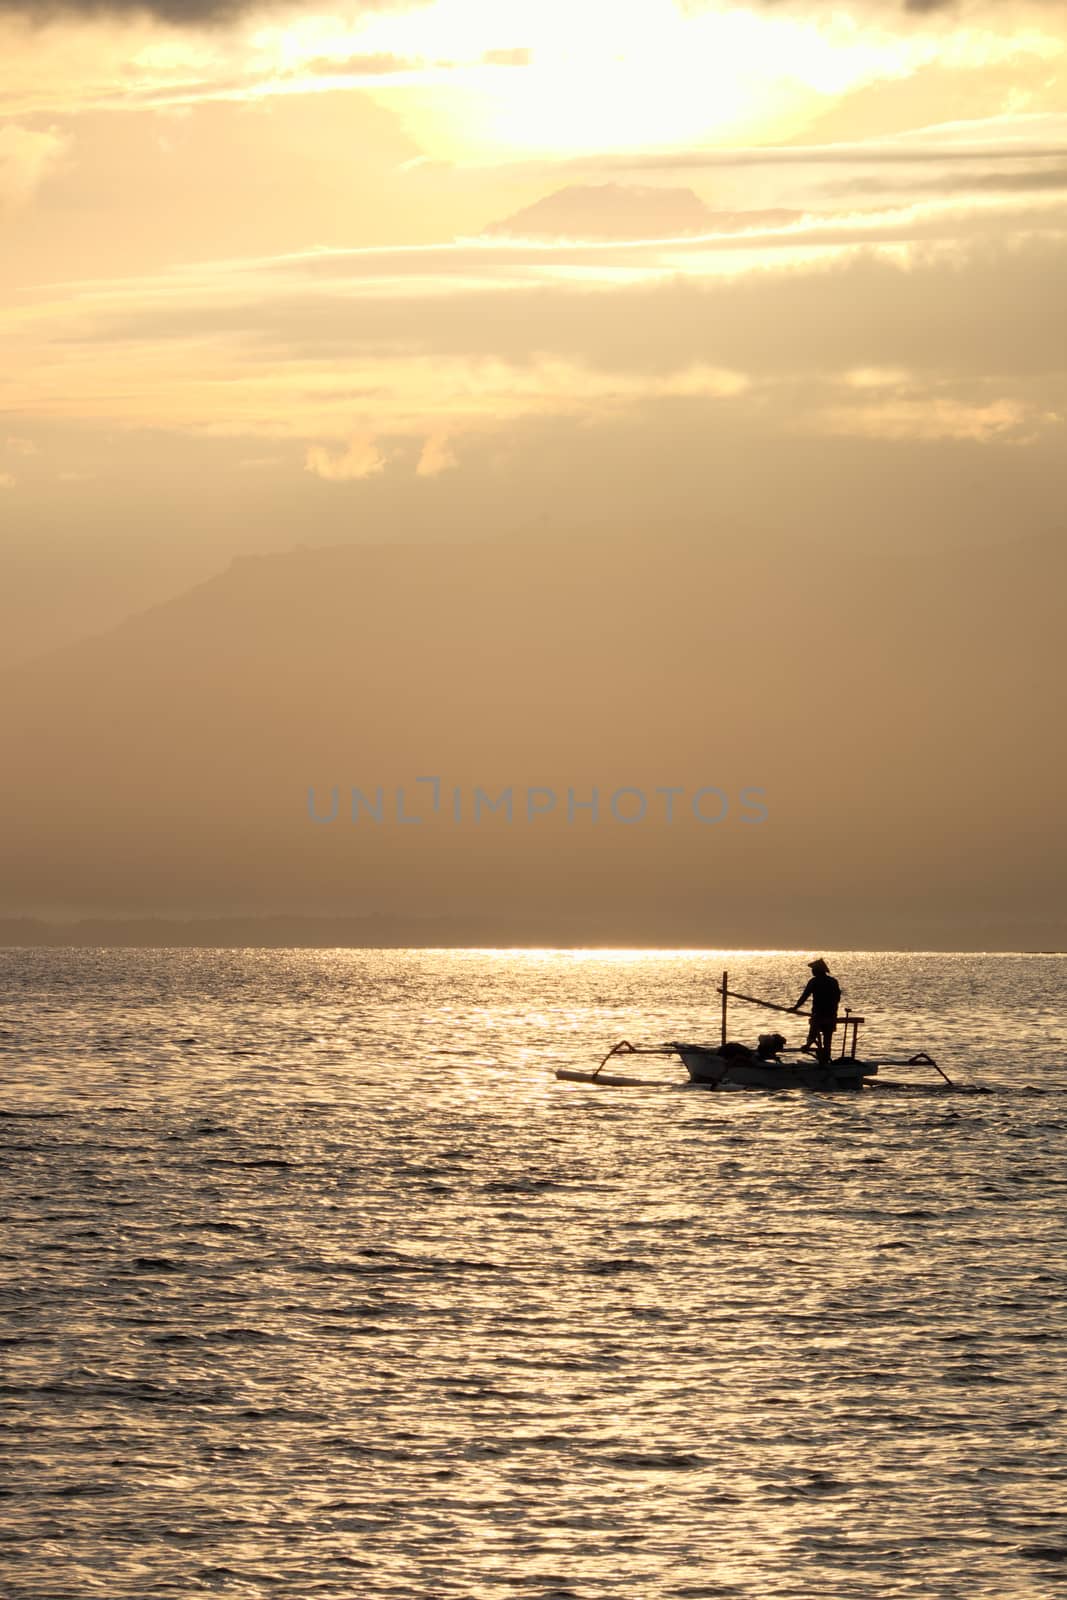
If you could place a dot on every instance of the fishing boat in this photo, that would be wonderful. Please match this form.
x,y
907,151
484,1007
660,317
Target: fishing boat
x,y
771,1064
714,1069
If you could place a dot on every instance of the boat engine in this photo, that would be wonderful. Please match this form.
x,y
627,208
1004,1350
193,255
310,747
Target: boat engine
x,y
769,1046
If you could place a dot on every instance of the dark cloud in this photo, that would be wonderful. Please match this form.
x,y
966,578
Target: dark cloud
x,y
1040,180
197,13
1036,137
901,152
180,13
916,8
183,12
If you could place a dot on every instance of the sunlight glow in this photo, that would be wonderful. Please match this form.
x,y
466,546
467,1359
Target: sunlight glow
x,y
600,76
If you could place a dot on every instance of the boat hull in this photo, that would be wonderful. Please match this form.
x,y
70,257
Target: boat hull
x,y
710,1068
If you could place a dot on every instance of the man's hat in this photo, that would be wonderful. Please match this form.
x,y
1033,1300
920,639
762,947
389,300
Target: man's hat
x,y
818,965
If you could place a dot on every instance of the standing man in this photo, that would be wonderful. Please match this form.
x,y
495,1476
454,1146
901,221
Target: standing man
x,y
824,992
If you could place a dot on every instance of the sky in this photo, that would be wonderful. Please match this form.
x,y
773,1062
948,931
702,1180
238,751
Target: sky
x,y
279,277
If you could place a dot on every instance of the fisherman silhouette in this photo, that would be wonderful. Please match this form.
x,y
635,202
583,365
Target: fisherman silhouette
x,y
824,992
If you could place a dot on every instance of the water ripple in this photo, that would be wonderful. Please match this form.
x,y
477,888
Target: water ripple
x,y
317,1284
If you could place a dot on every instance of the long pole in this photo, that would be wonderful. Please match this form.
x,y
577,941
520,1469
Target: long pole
x,y
724,992
768,1004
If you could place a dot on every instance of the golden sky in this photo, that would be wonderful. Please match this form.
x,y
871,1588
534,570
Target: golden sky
x,y
287,275
307,232
290,228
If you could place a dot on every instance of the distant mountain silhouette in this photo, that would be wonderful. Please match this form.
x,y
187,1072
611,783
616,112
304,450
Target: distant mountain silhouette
x,y
626,211
901,713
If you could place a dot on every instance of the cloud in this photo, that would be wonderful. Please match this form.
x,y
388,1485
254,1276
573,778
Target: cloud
x,y
382,357
316,358
27,157
1031,180
876,378
6,481
508,58
932,417
475,265
184,13
179,13
362,459
1033,136
367,66
874,153
437,456
913,8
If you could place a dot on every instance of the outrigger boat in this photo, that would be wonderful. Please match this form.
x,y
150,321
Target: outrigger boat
x,y
773,1064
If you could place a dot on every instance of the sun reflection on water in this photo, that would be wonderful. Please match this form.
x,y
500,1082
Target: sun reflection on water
x,y
326,1286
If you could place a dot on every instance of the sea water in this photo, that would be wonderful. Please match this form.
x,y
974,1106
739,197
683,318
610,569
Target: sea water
x,y
318,1285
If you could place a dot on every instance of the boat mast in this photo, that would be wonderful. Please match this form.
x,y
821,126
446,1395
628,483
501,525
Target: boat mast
x,y
725,986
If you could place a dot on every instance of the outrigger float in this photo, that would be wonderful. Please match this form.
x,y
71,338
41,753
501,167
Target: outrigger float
x,y
773,1064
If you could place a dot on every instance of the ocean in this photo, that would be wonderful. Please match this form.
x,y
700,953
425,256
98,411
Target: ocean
x,y
318,1285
